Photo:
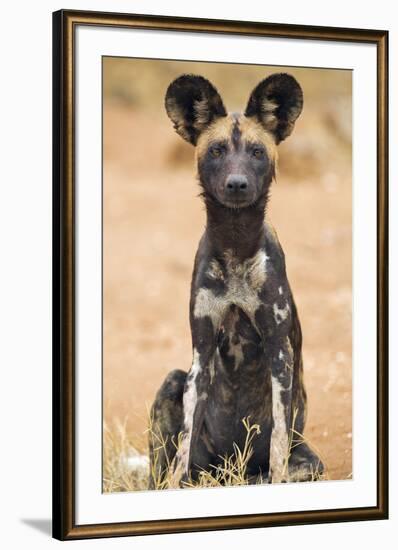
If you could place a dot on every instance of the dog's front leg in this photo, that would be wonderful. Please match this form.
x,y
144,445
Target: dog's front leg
x,y
274,324
194,403
206,316
281,382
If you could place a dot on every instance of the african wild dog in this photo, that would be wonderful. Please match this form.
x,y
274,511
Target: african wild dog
x,y
246,334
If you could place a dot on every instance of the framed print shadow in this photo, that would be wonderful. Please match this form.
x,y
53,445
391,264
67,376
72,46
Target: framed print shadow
x,y
219,274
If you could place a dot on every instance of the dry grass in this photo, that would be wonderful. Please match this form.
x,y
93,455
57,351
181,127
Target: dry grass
x,y
126,466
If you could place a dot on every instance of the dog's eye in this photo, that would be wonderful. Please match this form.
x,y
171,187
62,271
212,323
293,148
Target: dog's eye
x,y
258,153
216,152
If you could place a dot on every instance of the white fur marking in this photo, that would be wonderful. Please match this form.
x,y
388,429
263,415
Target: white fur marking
x,y
279,452
290,357
280,290
190,400
281,314
208,305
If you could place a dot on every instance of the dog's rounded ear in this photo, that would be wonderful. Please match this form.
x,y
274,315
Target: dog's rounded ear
x,y
193,103
276,103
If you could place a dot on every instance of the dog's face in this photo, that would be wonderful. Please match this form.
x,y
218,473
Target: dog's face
x,y
236,160
236,153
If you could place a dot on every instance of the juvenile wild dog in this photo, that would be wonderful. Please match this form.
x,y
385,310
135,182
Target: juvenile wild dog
x,y
246,334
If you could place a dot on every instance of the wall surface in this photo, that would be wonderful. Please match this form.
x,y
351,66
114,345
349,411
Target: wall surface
x,y
25,289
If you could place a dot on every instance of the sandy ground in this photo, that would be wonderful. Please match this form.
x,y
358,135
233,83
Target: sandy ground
x,y
153,220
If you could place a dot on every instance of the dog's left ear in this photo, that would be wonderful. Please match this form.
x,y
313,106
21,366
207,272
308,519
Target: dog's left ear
x,y
276,103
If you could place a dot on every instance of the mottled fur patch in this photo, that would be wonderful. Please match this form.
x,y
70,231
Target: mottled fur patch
x,y
281,314
207,304
235,344
243,281
215,271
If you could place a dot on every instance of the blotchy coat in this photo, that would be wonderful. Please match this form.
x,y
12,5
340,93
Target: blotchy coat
x,y
246,334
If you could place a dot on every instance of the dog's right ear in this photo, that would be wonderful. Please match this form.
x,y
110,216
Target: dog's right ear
x,y
193,103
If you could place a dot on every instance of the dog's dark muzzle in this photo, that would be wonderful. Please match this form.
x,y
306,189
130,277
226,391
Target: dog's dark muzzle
x,y
236,186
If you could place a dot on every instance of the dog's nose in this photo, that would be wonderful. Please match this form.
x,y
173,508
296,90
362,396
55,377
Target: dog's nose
x,y
236,183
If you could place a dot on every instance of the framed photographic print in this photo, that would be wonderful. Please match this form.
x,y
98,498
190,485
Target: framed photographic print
x,y
220,274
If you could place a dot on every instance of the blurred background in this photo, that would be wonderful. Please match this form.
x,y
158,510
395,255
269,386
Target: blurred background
x,y
153,220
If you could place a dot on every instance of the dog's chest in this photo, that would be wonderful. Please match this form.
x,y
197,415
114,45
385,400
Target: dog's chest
x,y
242,280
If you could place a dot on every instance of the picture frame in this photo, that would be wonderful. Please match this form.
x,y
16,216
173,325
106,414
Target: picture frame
x,y
68,315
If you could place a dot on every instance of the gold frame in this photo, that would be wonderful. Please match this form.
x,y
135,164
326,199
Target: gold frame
x,y
64,25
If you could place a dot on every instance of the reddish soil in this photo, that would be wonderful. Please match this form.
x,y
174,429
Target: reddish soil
x,y
153,220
